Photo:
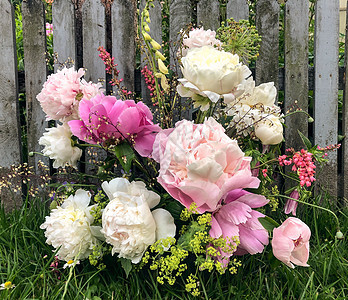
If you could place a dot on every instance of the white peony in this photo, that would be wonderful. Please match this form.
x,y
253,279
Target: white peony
x,y
212,74
269,130
69,227
127,221
57,142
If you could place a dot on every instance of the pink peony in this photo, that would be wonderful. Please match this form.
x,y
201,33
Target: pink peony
x,y
290,242
291,205
62,93
106,121
200,163
199,37
236,218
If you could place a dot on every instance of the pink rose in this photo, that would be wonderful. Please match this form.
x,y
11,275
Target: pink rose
x,y
107,121
62,92
290,242
200,163
236,218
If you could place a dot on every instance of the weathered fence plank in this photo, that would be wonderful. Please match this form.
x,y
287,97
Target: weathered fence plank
x,y
93,18
343,191
64,30
208,13
10,146
94,35
267,23
123,39
237,9
180,16
10,132
326,86
34,44
296,70
156,34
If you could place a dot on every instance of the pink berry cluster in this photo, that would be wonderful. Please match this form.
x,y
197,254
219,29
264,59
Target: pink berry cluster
x,y
149,80
111,68
303,164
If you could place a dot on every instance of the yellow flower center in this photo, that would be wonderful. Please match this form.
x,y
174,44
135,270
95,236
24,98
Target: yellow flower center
x,y
8,284
70,262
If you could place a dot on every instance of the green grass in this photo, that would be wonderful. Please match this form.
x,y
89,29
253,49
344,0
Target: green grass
x,y
22,251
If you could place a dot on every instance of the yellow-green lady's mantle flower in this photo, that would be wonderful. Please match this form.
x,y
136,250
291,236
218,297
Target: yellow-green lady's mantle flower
x,y
7,285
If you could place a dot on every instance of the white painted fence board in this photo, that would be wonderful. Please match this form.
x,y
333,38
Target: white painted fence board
x,y
63,30
343,191
156,34
208,13
267,24
93,18
237,9
326,86
123,39
296,70
34,45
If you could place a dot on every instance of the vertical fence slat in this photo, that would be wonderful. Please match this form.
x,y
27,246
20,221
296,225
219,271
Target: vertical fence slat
x,y
63,30
180,16
344,181
326,86
267,23
93,19
123,39
156,34
296,70
34,45
10,147
208,13
237,9
94,35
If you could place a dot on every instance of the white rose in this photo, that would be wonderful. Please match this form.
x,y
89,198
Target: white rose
x,y
69,227
269,130
212,73
127,221
57,142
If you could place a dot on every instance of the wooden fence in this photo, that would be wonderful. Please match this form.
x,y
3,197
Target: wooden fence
x,y
80,26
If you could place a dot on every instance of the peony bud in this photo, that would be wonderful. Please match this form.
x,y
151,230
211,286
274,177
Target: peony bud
x,y
339,235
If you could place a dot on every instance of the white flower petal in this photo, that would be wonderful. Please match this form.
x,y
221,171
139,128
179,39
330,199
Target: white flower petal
x,y
165,226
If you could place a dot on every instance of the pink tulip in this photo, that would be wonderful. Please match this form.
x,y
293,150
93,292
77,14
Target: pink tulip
x,y
291,205
290,242
105,120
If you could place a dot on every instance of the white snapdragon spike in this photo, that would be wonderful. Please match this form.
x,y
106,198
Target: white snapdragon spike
x,y
57,142
211,74
68,227
128,223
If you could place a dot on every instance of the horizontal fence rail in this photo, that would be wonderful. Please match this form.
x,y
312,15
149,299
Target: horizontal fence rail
x,y
81,26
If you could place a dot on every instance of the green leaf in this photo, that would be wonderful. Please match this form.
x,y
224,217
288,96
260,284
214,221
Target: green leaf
x,y
268,223
125,155
305,140
126,265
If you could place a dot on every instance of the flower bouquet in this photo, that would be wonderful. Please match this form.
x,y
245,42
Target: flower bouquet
x,y
189,195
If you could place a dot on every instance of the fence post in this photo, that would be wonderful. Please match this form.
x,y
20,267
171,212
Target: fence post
x,y
242,11
208,13
344,180
34,44
10,145
326,87
267,24
296,71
